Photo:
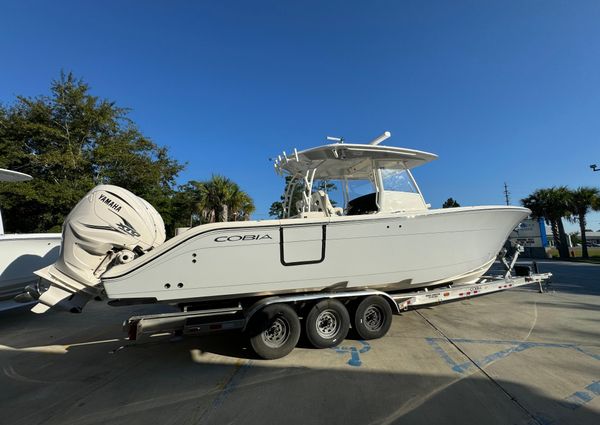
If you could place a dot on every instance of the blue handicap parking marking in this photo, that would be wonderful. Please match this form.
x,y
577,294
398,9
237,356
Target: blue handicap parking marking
x,y
515,347
354,352
572,402
594,387
581,397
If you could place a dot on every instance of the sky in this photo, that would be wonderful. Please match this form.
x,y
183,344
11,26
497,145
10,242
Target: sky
x,y
503,91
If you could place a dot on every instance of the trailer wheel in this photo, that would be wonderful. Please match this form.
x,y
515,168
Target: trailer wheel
x,y
274,331
327,324
372,318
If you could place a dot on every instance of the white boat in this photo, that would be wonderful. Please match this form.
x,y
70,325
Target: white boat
x,y
382,236
22,254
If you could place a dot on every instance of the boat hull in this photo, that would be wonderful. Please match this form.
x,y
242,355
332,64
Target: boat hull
x,y
20,256
385,251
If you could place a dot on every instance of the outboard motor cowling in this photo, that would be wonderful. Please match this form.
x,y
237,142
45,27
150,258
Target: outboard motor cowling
x,y
109,226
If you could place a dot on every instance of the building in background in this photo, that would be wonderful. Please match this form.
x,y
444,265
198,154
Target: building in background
x,y
593,238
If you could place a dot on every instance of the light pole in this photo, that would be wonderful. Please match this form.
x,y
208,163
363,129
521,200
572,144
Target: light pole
x,y
594,167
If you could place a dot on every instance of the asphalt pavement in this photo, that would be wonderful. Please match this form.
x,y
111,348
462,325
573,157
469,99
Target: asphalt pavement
x,y
514,357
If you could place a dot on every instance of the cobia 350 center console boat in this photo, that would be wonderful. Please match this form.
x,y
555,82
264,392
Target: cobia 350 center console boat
x,y
381,235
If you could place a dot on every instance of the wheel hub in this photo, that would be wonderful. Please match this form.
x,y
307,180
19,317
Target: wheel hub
x,y
373,318
327,324
277,334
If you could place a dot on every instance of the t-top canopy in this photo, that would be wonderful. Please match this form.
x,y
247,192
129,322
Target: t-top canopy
x,y
13,176
346,160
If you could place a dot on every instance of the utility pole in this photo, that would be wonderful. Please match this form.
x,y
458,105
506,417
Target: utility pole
x,y
506,194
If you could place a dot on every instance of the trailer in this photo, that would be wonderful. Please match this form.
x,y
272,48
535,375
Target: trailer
x,y
273,324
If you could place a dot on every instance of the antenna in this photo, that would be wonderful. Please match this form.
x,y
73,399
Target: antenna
x,y
335,139
506,194
386,135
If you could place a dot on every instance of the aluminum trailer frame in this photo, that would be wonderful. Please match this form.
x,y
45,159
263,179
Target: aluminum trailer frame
x,y
207,321
487,285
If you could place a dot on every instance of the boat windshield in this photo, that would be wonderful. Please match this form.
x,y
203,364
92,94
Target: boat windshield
x,y
340,192
398,181
358,188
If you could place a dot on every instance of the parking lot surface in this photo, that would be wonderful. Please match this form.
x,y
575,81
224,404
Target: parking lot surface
x,y
515,357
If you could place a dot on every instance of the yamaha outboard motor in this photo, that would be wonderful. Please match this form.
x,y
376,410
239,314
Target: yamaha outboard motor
x,y
109,226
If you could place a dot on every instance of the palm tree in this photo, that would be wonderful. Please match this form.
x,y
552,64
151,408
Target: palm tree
x,y
215,194
221,199
596,204
552,205
240,204
582,200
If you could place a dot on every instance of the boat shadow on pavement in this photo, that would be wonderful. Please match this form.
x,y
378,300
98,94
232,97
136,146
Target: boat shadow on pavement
x,y
181,383
89,375
62,368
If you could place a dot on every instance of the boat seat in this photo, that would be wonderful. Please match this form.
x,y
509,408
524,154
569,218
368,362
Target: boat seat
x,y
315,210
320,202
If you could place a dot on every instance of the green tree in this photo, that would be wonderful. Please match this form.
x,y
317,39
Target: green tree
x,y
241,205
581,201
552,205
450,203
276,209
327,187
221,199
185,201
197,203
71,141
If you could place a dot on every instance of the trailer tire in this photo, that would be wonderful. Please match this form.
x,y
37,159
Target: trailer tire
x,y
372,318
274,331
327,324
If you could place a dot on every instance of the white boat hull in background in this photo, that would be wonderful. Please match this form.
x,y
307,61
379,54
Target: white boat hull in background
x,y
386,251
20,256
